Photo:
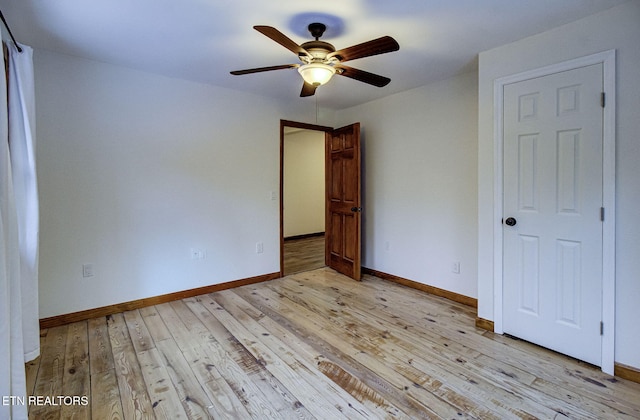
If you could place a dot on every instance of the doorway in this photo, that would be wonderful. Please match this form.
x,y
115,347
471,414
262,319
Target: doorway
x,y
302,176
343,197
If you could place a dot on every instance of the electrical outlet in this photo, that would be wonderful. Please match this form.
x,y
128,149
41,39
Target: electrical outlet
x,y
198,254
87,270
259,247
455,267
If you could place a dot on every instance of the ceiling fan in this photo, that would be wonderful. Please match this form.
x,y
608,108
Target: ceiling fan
x,y
320,60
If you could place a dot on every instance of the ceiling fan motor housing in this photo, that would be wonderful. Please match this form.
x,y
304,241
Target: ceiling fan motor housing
x,y
318,50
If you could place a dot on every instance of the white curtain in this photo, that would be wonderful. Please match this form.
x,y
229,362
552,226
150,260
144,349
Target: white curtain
x,y
19,329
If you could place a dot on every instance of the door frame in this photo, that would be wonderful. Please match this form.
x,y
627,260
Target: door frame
x,y
608,61
305,126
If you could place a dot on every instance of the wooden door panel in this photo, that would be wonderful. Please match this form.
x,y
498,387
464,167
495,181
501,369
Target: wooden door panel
x,y
350,193
350,248
336,182
335,235
343,200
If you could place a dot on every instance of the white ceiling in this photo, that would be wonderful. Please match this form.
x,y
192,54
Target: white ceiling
x,y
202,40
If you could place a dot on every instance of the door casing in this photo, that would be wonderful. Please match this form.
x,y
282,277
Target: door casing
x,y
607,59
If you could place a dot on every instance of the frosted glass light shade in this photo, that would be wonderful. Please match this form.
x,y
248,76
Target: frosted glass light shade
x,y
316,73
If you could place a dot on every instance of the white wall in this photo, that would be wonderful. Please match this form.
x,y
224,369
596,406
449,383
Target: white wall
x,y
420,183
304,183
135,169
617,28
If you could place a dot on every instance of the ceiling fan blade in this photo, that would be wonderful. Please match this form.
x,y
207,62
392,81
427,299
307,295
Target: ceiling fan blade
x,y
308,90
281,39
382,45
261,69
362,76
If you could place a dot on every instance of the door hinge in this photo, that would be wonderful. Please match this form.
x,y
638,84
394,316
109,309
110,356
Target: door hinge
x,y
602,214
601,328
602,99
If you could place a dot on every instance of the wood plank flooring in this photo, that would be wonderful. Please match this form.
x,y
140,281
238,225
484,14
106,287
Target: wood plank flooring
x,y
303,254
313,345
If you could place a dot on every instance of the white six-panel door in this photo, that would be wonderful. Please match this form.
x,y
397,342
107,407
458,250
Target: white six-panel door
x,y
552,183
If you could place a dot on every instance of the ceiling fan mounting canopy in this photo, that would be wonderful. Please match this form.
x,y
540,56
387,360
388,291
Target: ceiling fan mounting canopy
x,y
317,29
320,60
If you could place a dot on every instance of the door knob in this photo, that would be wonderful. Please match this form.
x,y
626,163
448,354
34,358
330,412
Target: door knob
x,y
356,209
510,221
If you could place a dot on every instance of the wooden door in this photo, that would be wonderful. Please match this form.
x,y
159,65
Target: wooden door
x,y
552,235
343,207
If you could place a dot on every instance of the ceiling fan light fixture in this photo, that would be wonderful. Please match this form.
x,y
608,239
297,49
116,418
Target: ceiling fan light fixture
x,y
316,74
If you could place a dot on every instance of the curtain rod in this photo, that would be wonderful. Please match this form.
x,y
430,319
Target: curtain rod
x,y
6,25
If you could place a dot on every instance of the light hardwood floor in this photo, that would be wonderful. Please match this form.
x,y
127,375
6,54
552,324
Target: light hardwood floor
x,y
314,345
303,254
